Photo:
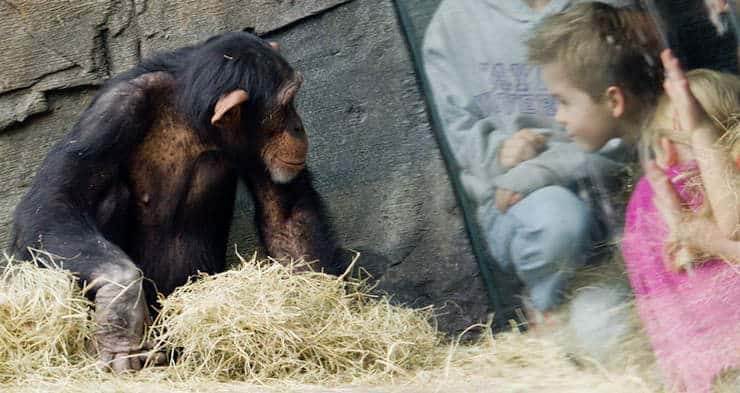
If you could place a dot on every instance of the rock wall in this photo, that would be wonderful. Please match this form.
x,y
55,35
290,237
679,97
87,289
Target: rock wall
x,y
373,154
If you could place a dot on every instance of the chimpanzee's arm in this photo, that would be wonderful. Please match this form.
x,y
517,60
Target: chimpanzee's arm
x,y
83,168
110,128
292,221
79,189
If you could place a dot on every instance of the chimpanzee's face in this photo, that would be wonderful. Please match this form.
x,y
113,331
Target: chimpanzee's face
x,y
263,124
281,139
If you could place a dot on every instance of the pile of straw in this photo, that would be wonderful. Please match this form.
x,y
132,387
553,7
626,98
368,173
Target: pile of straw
x,y
259,322
516,362
44,322
261,325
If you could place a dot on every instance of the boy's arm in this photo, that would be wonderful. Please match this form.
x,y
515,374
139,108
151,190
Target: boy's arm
x,y
562,164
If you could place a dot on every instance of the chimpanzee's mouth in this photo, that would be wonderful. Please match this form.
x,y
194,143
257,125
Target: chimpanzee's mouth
x,y
295,164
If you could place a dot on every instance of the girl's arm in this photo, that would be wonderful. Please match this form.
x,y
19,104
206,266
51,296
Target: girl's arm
x,y
696,233
719,174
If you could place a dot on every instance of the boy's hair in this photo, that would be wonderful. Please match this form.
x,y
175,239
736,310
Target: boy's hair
x,y
598,46
719,95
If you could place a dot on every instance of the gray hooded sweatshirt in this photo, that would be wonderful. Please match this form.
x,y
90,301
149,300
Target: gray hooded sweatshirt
x,y
475,57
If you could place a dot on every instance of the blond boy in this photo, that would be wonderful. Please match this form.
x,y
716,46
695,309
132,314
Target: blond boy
x,y
497,119
601,64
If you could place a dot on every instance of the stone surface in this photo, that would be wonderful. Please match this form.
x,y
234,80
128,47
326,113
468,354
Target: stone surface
x,y
373,155
56,44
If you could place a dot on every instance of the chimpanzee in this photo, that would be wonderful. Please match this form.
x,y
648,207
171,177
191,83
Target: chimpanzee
x,y
143,187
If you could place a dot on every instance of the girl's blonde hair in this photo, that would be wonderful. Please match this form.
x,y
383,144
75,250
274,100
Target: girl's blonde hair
x,y
719,95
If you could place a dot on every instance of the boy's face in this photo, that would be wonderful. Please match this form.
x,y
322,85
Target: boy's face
x,y
589,123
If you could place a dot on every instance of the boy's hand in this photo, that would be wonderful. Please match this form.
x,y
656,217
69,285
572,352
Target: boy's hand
x,y
506,198
688,112
522,146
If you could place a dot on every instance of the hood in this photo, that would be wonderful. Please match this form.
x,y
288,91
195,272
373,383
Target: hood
x,y
519,11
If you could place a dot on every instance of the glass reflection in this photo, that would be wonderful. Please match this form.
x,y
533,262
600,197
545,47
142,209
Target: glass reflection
x,y
578,158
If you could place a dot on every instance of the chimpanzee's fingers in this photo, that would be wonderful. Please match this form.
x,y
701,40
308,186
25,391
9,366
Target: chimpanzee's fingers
x,y
136,362
104,363
146,345
156,359
148,356
106,357
120,363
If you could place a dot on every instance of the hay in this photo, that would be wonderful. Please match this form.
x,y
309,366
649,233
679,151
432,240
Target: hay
x,y
260,328
44,322
260,323
523,362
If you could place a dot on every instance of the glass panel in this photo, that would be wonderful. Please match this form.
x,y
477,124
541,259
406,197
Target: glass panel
x,y
550,114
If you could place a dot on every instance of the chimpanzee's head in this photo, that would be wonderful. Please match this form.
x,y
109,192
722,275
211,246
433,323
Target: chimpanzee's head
x,y
239,92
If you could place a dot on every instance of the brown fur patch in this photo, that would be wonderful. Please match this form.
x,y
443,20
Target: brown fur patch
x,y
162,164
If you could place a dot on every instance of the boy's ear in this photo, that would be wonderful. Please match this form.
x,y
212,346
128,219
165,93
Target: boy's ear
x,y
668,154
616,101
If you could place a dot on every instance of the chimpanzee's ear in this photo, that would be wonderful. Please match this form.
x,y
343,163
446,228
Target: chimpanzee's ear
x,y
227,112
274,45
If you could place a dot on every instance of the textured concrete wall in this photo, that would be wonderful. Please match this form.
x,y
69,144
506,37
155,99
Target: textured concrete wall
x,y
373,154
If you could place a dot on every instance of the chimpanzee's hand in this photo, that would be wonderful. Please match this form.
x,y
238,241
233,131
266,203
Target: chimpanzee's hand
x,y
121,316
121,354
522,146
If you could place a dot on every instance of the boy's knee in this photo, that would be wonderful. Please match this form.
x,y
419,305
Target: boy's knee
x,y
562,222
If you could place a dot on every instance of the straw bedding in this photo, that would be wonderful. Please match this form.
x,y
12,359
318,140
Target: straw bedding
x,y
259,327
43,322
259,322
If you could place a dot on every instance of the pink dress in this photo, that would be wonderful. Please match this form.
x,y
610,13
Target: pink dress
x,y
692,318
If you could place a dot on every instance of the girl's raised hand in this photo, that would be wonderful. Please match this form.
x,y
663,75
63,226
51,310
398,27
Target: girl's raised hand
x,y
687,110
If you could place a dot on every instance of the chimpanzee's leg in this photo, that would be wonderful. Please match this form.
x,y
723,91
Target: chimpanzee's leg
x,y
292,221
114,283
120,313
